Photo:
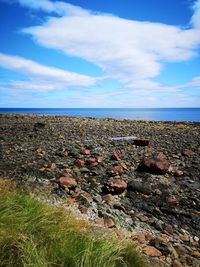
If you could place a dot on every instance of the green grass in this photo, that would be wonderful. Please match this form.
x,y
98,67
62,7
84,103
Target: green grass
x,y
36,235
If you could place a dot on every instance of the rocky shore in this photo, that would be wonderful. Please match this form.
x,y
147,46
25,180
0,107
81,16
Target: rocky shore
x,y
138,177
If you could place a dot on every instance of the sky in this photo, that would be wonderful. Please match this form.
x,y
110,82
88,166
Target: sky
x,y
99,53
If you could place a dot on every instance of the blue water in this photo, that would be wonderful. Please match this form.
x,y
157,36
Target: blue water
x,y
158,114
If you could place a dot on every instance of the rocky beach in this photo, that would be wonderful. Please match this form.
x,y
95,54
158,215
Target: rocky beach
x,y
138,178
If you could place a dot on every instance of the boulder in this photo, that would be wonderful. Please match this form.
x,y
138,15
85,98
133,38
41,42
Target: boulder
x,y
154,165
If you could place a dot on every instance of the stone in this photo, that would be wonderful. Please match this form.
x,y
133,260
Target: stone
x,y
176,263
100,159
168,229
67,182
109,199
117,170
85,152
92,162
172,202
181,250
51,167
84,198
140,141
79,163
156,165
139,237
178,173
117,186
152,251
188,152
109,223
116,156
185,238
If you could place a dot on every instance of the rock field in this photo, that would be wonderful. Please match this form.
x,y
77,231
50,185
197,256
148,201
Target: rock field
x,y
138,177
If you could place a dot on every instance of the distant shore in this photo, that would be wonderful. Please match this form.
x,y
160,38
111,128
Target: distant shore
x,y
155,114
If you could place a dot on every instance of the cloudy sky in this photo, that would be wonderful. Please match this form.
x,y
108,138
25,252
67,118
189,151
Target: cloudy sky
x,y
100,53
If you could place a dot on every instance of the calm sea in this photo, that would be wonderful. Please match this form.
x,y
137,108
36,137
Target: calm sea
x,y
158,114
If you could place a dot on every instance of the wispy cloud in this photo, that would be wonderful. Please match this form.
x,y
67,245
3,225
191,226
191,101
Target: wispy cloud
x,y
41,77
128,51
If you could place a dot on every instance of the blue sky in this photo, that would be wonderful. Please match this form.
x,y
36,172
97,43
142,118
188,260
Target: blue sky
x,y
133,53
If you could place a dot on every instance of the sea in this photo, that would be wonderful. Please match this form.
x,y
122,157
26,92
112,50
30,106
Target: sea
x,y
155,114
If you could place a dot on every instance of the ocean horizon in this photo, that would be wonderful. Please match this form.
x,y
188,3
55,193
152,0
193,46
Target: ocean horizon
x,y
155,114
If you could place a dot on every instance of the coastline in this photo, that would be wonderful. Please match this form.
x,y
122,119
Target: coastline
x,y
38,150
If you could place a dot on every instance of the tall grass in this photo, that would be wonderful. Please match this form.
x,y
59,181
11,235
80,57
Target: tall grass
x,y
36,235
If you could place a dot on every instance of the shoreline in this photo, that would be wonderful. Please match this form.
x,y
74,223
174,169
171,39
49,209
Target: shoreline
x,y
96,118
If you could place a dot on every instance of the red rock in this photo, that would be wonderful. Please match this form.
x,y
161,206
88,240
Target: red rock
x,y
140,141
188,152
154,166
116,156
161,156
79,163
172,202
117,170
85,152
152,251
109,223
92,162
67,182
117,186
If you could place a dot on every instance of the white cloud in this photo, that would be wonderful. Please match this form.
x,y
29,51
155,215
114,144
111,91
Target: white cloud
x,y
196,16
127,50
41,77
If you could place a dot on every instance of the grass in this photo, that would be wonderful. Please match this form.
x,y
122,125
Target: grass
x,y
37,235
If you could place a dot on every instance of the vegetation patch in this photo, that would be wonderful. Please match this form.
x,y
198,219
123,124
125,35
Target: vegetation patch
x,y
37,235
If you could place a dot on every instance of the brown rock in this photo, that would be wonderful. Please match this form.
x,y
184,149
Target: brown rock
x,y
85,152
79,163
51,167
152,251
108,199
67,182
177,263
139,237
169,229
172,202
161,156
188,152
181,250
178,173
84,198
109,223
185,238
116,156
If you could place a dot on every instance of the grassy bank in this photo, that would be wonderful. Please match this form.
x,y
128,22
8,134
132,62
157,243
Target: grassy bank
x,y
34,234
